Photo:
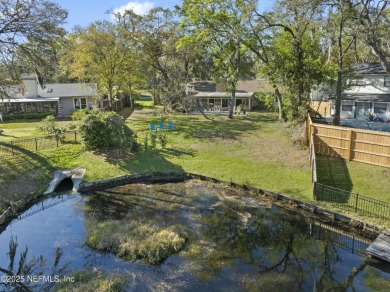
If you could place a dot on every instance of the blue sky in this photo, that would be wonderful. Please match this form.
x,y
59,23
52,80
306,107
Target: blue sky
x,y
84,12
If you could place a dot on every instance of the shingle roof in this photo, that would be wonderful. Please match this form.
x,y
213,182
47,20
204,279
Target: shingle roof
x,y
67,90
368,68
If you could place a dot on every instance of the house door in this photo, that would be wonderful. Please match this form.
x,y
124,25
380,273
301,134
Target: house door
x,y
362,110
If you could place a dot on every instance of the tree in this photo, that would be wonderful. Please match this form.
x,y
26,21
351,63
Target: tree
x,y
22,23
155,35
374,18
287,42
99,54
342,35
220,25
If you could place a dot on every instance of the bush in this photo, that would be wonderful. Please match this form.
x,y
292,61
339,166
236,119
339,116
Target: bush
x,y
27,116
81,114
105,130
48,125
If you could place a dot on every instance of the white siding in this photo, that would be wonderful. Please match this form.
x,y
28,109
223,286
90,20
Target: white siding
x,y
372,84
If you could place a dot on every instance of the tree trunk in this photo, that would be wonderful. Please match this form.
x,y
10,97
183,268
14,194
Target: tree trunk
x,y
232,103
336,119
278,96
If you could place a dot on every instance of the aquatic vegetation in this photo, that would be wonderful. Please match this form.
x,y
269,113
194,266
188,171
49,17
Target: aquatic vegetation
x,y
94,281
136,240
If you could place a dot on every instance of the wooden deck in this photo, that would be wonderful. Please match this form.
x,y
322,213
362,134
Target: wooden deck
x,y
380,248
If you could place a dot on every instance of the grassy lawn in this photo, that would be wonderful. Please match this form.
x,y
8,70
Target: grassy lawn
x,y
253,150
364,179
15,130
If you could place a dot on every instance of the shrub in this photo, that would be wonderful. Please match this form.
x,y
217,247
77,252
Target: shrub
x,y
27,116
81,114
49,126
105,130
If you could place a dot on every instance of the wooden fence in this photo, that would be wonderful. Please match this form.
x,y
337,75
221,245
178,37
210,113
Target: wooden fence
x,y
372,147
321,107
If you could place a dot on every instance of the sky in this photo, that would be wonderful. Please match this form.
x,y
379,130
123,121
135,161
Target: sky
x,y
84,12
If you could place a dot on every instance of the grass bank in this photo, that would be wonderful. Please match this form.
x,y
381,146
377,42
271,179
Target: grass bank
x,y
252,150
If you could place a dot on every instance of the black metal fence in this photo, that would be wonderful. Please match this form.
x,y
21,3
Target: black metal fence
x,y
352,202
339,238
16,147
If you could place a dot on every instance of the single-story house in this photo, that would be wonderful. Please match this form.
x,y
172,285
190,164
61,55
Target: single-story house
x,y
215,97
219,101
60,98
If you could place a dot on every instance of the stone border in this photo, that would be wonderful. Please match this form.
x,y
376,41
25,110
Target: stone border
x,y
285,201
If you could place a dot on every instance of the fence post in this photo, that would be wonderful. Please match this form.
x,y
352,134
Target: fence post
x,y
356,202
75,136
57,140
350,145
36,144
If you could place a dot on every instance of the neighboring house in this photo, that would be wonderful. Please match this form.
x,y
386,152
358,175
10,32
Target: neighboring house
x,y
215,97
60,98
368,93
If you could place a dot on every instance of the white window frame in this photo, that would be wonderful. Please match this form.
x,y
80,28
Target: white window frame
x,y
79,101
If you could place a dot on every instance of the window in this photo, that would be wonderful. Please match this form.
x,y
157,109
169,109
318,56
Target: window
x,y
225,102
80,103
387,81
346,107
357,82
380,108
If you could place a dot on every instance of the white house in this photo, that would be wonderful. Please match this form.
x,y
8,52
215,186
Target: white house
x,y
368,93
61,98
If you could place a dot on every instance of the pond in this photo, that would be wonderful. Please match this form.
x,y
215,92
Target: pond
x,y
226,240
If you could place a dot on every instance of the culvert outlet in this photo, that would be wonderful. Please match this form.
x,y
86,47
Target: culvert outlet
x,y
68,179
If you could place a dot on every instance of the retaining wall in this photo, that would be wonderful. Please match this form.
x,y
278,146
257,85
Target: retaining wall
x,y
279,199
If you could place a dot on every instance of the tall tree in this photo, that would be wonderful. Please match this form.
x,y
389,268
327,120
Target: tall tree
x,y
374,18
289,51
220,25
155,35
341,35
99,54
22,23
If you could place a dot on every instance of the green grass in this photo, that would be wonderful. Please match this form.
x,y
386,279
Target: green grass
x,y
15,130
364,179
252,150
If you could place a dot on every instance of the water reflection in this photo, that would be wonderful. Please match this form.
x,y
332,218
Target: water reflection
x,y
30,273
236,241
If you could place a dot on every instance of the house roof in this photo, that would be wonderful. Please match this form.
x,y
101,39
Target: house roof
x,y
201,86
224,94
67,90
37,99
255,85
368,69
364,97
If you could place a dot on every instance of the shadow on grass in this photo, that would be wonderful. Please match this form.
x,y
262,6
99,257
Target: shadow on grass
x,y
333,172
222,128
144,161
24,176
